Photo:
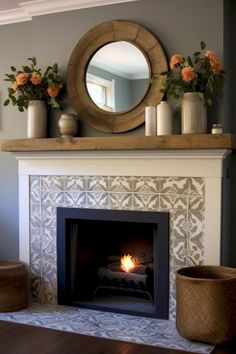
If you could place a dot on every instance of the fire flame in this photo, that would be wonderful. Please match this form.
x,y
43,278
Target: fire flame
x,y
127,263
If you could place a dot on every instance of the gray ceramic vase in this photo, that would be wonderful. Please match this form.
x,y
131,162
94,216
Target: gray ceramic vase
x,y
193,114
37,119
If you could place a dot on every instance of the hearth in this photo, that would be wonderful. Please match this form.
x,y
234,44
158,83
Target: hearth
x,y
114,260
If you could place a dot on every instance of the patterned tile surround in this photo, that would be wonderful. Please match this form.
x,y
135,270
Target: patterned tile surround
x,y
182,197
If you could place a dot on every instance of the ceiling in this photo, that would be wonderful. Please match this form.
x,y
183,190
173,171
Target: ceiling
x,y
111,59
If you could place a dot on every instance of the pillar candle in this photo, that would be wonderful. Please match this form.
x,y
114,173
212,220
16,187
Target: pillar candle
x,y
150,121
164,119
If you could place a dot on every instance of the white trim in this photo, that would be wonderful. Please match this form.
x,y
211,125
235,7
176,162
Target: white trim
x,y
196,163
213,206
117,72
109,88
28,9
203,154
14,16
24,248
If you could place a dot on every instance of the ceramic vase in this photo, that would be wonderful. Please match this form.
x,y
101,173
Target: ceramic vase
x,y
37,119
193,114
68,126
164,119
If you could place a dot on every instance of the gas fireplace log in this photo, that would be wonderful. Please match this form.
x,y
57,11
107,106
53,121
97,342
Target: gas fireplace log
x,y
138,269
122,279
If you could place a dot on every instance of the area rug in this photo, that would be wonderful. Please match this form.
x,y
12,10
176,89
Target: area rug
x,y
134,329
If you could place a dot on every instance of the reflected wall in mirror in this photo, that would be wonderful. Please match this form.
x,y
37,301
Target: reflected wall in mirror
x,y
88,99
117,76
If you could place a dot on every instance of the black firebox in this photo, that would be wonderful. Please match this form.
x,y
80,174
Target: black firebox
x,y
114,260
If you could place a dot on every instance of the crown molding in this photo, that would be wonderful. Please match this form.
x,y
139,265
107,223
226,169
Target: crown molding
x,y
14,16
42,7
28,9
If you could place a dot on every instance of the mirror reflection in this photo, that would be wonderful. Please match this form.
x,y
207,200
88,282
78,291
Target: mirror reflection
x,y
117,76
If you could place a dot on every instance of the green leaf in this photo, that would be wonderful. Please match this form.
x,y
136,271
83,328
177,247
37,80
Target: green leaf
x,y
189,60
55,67
34,61
13,100
13,68
202,45
27,69
209,101
6,103
11,77
10,91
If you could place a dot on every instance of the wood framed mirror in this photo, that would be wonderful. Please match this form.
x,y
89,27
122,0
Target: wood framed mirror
x,y
119,39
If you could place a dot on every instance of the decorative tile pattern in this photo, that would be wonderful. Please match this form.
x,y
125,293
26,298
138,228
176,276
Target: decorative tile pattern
x,y
121,201
182,197
142,330
121,184
50,183
75,183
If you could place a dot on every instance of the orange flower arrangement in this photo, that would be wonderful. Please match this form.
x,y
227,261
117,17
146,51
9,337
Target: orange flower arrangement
x,y
29,84
203,72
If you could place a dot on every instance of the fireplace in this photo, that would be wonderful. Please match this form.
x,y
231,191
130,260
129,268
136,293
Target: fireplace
x,y
187,184
92,243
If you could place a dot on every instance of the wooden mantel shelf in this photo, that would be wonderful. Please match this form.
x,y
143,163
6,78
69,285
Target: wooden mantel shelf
x,y
170,142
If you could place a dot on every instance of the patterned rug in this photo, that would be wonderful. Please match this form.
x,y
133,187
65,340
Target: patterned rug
x,y
135,329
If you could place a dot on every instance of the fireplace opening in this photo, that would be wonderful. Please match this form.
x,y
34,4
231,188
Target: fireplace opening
x,y
114,260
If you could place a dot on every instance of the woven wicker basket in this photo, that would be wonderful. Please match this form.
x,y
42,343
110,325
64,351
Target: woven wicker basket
x,y
206,303
13,286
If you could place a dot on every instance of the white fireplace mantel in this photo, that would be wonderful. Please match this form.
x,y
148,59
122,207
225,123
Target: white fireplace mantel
x,y
206,163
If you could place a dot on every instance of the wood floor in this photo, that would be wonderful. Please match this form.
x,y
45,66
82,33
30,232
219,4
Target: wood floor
x,y
24,339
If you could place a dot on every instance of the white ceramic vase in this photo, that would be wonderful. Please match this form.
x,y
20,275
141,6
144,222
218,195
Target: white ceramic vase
x,y
37,119
193,114
164,119
68,125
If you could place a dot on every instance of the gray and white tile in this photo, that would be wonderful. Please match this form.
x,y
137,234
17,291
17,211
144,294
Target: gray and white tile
x,y
134,329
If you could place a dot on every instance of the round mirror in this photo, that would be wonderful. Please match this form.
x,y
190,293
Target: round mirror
x,y
89,100
117,76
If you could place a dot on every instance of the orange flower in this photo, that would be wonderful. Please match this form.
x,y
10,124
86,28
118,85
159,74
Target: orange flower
x,y
53,91
176,60
216,66
22,78
214,61
15,86
188,73
211,55
36,78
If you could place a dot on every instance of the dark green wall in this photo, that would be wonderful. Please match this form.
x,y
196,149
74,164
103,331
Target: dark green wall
x,y
179,25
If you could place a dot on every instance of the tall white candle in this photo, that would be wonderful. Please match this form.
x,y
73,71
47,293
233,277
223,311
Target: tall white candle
x,y
150,121
164,118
